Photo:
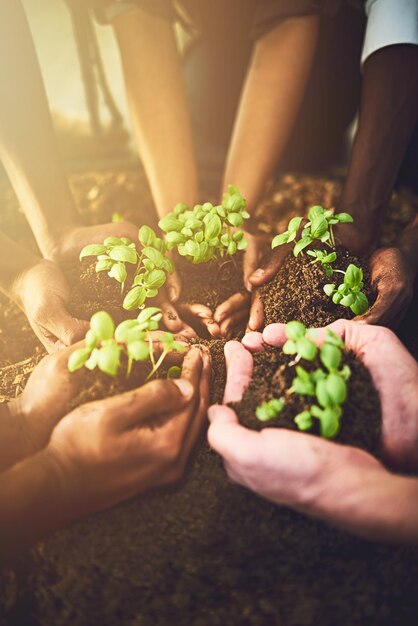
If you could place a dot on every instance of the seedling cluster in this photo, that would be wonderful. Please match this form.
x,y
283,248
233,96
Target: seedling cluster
x,y
326,385
151,264
207,231
319,227
106,346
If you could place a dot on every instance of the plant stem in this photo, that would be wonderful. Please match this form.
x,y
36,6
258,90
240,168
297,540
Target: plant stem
x,y
158,364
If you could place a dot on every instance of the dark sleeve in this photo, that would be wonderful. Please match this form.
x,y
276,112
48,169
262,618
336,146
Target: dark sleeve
x,y
104,9
268,13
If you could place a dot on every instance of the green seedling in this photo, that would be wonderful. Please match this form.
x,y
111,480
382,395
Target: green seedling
x,y
105,345
326,385
319,227
349,293
207,231
324,258
151,264
117,217
269,410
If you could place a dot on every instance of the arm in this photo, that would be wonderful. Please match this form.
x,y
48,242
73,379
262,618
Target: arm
x,y
157,99
270,103
387,117
27,143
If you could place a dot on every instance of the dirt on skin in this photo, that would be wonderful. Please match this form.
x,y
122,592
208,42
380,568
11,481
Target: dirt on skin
x,y
210,283
297,291
272,377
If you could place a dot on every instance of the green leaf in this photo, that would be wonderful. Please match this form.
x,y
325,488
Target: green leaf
x,y
348,300
170,223
269,410
78,358
175,238
103,265
235,219
154,255
192,248
135,298
330,258
361,304
138,350
155,279
330,356
180,208
108,359
92,250
301,245
232,248
319,227
294,224
344,218
91,339
213,227
123,329
315,211
295,330
337,389
118,272
279,240
302,387
353,276
113,241
242,245
102,325
329,420
124,254
337,297
334,339
304,420
290,347
174,372
307,349
221,211
237,236
151,312
322,394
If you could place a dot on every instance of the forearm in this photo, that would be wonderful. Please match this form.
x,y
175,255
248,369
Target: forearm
x,y
14,260
27,142
388,114
368,501
159,108
270,103
32,503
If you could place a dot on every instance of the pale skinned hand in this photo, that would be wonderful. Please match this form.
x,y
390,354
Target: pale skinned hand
x,y
394,280
107,451
232,314
42,292
49,389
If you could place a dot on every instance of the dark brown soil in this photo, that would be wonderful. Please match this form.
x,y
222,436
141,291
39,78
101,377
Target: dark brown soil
x,y
216,349
361,418
296,292
210,283
92,292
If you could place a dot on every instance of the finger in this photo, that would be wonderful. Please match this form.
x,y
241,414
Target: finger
x,y
275,335
232,441
229,307
234,323
203,315
130,409
173,285
174,323
383,311
252,257
239,368
253,342
256,320
262,275
66,328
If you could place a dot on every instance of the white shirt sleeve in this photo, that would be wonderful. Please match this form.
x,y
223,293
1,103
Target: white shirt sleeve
x,y
390,22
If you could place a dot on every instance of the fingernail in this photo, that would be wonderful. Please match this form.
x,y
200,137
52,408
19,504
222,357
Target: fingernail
x,y
185,387
205,316
259,273
172,294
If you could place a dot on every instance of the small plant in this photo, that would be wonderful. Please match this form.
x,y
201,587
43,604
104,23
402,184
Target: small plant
x,y
349,293
106,345
320,227
326,384
151,264
206,231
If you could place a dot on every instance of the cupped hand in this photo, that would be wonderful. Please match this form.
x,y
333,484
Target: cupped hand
x,y
393,278
110,450
43,293
231,314
261,276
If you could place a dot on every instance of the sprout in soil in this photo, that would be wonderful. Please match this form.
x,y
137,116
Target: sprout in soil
x,y
320,227
325,386
207,231
151,264
106,345
349,293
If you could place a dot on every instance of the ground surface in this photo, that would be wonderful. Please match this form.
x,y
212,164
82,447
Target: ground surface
x,y
207,552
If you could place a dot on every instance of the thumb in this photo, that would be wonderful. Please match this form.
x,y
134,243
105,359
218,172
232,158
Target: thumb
x,y
225,435
66,328
158,397
173,287
239,370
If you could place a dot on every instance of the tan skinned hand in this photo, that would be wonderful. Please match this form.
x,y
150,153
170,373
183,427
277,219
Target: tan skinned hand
x,y
107,451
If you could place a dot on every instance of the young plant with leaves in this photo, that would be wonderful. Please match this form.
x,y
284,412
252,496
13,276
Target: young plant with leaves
x,y
151,264
106,346
349,293
326,385
207,231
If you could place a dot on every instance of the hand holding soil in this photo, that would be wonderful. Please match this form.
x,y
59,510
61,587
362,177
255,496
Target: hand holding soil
x,y
43,293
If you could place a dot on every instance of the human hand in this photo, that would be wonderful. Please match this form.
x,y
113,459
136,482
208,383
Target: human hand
x,y
393,278
42,292
107,451
230,314
260,277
